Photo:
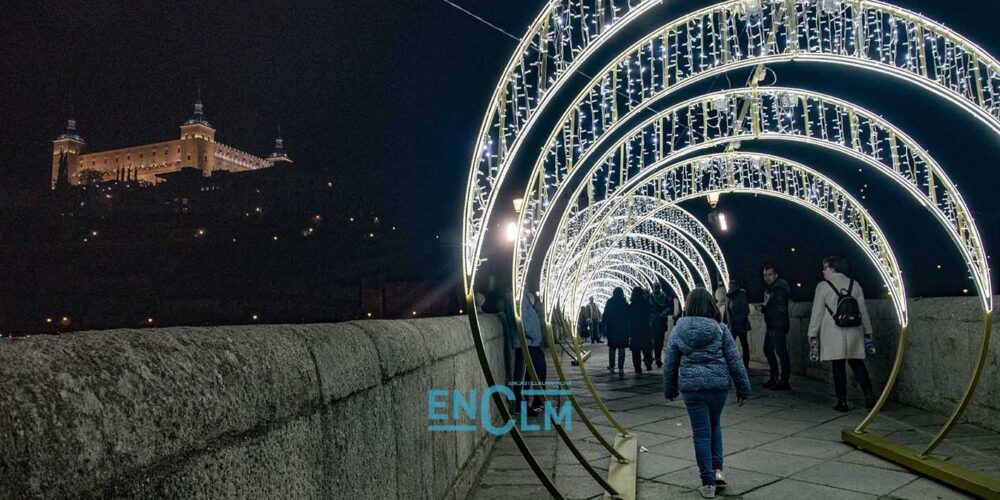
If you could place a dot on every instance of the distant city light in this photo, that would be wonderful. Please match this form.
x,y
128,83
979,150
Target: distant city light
x,y
352,219
254,317
939,266
798,285
414,313
393,228
793,249
369,315
93,233
461,311
149,320
965,290
48,320
275,238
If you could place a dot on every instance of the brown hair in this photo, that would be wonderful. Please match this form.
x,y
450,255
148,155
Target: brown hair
x,y
838,264
700,302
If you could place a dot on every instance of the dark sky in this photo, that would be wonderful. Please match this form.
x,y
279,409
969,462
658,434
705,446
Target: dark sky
x,y
388,95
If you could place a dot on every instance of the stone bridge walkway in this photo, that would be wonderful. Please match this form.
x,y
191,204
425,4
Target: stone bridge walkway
x,y
779,445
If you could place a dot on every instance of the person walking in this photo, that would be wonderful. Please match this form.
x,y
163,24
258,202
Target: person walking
x,y
736,315
701,364
840,330
775,310
615,323
663,309
639,331
532,325
593,318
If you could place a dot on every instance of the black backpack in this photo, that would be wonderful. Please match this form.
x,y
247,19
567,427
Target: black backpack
x,y
848,313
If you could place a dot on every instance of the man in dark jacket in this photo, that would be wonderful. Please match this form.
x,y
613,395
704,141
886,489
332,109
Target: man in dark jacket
x,y
775,310
663,308
737,317
639,331
614,323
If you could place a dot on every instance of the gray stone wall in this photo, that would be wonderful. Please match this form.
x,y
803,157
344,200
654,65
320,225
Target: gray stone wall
x,y
297,411
942,345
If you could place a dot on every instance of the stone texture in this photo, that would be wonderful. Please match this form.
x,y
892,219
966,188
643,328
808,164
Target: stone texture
x,y
789,489
871,480
805,444
289,411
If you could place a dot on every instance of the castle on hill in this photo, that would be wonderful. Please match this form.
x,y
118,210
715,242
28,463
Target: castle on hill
x,y
196,148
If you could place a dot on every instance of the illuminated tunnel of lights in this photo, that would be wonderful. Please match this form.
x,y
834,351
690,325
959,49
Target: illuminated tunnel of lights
x,y
600,203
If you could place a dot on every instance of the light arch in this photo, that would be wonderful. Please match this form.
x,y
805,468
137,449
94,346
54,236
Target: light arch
x,y
785,179
566,251
775,114
873,35
683,253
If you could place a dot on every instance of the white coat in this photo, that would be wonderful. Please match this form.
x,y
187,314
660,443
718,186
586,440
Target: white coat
x,y
836,342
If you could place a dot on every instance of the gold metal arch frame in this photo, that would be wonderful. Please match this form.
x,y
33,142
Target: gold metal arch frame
x,y
862,33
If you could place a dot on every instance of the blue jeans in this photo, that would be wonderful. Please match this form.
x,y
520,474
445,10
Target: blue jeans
x,y
621,358
705,409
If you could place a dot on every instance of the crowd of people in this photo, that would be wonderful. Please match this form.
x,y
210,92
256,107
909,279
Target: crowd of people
x,y
707,351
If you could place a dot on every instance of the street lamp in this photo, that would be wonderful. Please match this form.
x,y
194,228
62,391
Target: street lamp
x,y
713,199
511,231
518,203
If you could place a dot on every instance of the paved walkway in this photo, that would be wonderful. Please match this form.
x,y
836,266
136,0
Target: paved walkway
x,y
779,445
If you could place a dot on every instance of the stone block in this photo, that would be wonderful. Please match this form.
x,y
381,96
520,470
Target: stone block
x,y
346,360
82,409
400,345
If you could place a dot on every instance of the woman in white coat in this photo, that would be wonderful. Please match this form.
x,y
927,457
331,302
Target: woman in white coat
x,y
837,344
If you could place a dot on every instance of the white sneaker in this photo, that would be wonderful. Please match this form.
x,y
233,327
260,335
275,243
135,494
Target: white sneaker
x,y
707,491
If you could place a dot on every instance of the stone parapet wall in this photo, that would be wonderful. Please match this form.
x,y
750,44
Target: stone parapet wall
x,y
942,345
276,411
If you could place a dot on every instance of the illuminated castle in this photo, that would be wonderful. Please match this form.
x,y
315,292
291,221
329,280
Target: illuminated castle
x,y
196,148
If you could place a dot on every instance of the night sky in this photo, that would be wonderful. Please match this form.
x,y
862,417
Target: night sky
x,y
388,96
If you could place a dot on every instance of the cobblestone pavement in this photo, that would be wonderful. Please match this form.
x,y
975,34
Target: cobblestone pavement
x,y
779,445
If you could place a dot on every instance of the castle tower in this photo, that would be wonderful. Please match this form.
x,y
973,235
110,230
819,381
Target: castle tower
x,y
279,156
67,147
198,141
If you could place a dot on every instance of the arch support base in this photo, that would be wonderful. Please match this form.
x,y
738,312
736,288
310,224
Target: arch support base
x,y
956,476
622,474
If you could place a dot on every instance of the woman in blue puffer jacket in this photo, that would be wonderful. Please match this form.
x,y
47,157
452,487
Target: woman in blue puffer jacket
x,y
702,362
